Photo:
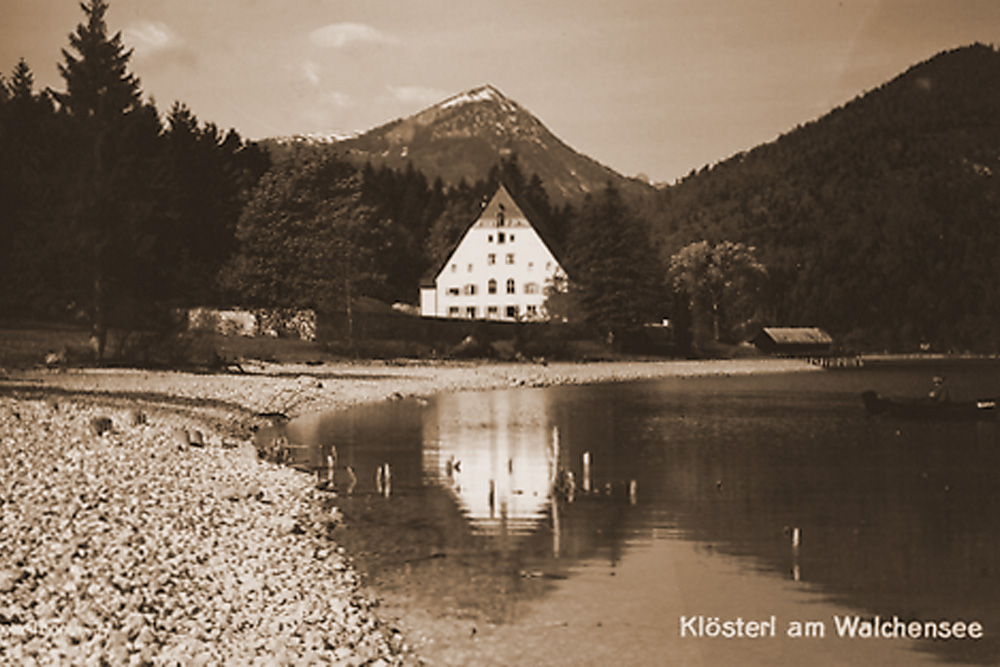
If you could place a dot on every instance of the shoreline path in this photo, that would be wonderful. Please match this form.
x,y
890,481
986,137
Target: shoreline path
x,y
137,525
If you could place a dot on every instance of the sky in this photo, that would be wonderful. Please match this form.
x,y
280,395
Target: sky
x,y
651,87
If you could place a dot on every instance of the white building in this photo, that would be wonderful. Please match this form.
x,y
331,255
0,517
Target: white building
x,y
498,271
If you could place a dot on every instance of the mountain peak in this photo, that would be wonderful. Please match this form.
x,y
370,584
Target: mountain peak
x,y
465,135
484,93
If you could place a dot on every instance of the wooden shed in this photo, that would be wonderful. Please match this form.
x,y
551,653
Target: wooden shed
x,y
793,341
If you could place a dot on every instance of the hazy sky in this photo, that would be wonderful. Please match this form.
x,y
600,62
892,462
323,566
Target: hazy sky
x,y
659,87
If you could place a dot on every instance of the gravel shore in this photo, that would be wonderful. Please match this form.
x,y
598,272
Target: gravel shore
x,y
138,526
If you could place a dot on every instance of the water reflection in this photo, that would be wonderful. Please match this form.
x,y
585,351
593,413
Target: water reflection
x,y
497,458
771,495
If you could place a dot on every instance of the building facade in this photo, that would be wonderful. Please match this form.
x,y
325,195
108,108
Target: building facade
x,y
498,271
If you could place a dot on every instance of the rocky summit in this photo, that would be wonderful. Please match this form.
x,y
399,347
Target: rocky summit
x,y
465,135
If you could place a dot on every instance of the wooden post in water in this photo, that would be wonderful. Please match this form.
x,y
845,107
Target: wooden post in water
x,y
796,541
556,529
555,455
586,472
633,491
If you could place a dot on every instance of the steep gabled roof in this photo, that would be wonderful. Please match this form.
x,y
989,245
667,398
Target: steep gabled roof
x,y
502,199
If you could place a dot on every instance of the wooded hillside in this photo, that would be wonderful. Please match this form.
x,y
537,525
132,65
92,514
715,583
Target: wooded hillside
x,y
879,222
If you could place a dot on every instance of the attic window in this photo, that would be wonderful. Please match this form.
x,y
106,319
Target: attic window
x,y
500,216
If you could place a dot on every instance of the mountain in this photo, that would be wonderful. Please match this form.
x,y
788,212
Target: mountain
x,y
879,221
467,134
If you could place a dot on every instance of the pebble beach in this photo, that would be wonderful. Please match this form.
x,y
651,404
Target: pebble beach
x,y
138,525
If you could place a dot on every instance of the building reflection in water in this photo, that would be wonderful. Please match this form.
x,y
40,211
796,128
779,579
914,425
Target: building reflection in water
x,y
495,457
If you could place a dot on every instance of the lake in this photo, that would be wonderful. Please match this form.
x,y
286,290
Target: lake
x,y
761,519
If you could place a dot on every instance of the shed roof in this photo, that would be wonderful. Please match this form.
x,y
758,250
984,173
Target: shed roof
x,y
798,335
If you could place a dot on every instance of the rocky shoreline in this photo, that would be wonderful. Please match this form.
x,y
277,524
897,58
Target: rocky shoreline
x,y
139,527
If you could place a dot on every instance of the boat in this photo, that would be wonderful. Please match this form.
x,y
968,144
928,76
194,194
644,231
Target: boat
x,y
928,410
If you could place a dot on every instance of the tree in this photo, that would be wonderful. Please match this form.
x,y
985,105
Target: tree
x,y
615,276
116,193
210,177
721,283
306,238
29,169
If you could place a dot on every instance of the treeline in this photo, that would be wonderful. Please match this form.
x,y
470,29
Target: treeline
x,y
108,211
318,233
115,214
881,221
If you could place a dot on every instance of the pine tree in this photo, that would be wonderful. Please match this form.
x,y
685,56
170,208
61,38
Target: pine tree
x,y
615,275
99,87
29,172
114,152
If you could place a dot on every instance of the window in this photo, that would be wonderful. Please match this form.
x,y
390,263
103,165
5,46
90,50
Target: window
x,y
511,238
470,289
532,311
491,259
470,312
500,237
468,269
453,291
510,258
491,286
548,266
453,311
531,288
512,312
510,286
492,312
490,238
531,265
454,268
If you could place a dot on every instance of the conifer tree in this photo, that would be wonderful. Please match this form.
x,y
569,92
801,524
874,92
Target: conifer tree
x,y
115,141
28,173
614,273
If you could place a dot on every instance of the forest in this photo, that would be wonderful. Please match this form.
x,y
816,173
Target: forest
x,y
877,222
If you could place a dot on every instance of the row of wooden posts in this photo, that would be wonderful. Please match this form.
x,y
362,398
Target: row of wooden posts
x,y
383,486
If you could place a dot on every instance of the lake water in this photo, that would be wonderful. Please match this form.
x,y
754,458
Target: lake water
x,y
773,502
